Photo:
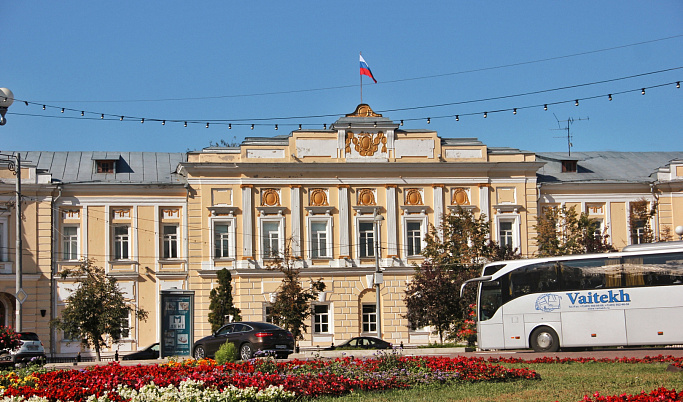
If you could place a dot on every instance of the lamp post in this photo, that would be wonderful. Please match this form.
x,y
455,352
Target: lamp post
x,y
6,100
14,164
378,279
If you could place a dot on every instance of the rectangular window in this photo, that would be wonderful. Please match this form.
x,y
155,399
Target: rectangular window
x,y
319,240
366,246
414,237
105,166
221,241
70,243
321,318
505,234
269,314
125,328
271,239
597,234
638,234
170,241
121,242
369,318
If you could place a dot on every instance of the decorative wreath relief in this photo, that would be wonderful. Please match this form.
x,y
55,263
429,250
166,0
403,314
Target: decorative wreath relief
x,y
318,198
413,197
366,144
270,198
366,197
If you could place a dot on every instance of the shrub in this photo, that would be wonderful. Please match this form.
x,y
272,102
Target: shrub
x,y
8,338
227,353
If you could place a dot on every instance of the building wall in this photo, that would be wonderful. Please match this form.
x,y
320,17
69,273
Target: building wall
x,y
364,166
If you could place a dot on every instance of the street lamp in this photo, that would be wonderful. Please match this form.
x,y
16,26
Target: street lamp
x,y
379,278
6,100
679,232
14,164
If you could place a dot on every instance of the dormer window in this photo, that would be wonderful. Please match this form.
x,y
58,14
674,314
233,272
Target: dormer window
x,y
568,166
105,166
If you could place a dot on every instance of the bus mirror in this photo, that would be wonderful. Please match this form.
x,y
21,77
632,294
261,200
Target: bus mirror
x,y
479,279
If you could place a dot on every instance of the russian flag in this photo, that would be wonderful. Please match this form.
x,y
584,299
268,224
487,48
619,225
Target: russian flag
x,y
365,70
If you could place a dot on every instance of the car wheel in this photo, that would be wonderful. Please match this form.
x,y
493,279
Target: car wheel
x,y
544,339
246,351
199,352
282,355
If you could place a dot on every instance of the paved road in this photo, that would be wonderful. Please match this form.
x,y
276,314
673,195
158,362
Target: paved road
x,y
521,354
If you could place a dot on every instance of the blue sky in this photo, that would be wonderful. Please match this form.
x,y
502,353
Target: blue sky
x,y
250,62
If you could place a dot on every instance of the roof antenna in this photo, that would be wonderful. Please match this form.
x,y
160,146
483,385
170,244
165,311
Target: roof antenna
x,y
570,120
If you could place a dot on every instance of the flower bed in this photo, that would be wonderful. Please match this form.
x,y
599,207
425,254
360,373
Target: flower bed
x,y
262,380
268,380
658,395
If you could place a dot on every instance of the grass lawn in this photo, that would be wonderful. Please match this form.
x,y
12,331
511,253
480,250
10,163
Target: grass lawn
x,y
559,382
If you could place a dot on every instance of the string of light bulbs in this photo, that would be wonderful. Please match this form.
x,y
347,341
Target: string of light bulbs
x,y
277,121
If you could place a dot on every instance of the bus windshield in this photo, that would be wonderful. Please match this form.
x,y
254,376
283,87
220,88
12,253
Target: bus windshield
x,y
491,299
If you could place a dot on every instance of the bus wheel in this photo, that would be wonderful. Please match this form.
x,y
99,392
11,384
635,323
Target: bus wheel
x,y
544,339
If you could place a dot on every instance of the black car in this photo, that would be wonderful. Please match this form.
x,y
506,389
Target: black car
x,y
363,342
249,338
150,352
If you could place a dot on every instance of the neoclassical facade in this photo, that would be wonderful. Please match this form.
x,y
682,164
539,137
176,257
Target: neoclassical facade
x,y
158,221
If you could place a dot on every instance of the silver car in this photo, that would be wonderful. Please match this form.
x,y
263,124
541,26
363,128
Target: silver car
x,y
30,350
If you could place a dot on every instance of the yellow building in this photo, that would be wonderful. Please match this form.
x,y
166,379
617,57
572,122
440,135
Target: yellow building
x,y
158,221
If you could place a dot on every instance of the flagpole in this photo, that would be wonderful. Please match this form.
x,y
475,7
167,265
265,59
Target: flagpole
x,y
361,82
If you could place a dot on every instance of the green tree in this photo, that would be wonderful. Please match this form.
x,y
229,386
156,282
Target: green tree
x,y
292,306
431,298
96,307
563,231
221,304
455,251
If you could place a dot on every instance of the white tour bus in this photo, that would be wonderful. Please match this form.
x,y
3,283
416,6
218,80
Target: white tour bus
x,y
634,297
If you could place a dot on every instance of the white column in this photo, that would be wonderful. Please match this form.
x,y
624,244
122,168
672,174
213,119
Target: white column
x,y
344,243
392,234
438,206
295,194
484,204
247,222
85,233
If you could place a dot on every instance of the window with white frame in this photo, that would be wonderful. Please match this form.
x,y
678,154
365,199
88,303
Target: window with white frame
x,y
366,238
125,328
223,239
321,318
170,241
508,230
272,239
320,237
70,243
121,242
268,314
369,318
638,232
505,234
597,234
413,234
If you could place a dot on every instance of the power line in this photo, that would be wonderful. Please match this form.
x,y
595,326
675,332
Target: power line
x,y
381,83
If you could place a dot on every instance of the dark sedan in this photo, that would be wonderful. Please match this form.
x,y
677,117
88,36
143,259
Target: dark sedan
x,y
363,342
249,338
150,352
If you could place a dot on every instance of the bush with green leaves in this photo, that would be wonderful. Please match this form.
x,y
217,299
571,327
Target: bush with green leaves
x,y
227,353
